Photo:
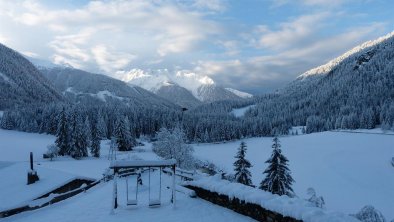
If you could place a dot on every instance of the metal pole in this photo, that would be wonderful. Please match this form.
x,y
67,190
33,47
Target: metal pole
x,y
173,187
115,192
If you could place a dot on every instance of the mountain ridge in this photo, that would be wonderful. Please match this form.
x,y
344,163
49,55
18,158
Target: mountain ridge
x,y
21,83
202,88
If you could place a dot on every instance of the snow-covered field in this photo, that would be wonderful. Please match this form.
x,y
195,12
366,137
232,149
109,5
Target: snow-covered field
x,y
349,170
94,204
241,111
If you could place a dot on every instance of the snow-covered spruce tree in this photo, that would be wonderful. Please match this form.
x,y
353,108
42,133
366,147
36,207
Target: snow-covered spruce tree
x,y
62,135
278,178
242,165
101,126
95,145
171,144
314,199
78,148
123,138
87,131
370,214
6,121
129,129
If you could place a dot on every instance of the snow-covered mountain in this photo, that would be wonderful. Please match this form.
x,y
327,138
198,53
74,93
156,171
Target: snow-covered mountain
x,y
366,50
178,95
79,85
21,82
240,93
355,90
203,88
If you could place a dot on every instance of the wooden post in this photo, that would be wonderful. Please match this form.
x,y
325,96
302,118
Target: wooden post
x,y
31,161
32,175
173,187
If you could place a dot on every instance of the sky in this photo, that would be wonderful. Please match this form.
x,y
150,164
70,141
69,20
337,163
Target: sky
x,y
256,46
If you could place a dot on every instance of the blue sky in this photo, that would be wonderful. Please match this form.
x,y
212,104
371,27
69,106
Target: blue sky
x,y
252,45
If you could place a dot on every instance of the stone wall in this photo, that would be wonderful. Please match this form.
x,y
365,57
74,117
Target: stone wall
x,y
252,210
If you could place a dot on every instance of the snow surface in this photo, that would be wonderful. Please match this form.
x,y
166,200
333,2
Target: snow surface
x,y
142,163
4,77
14,191
94,204
240,112
350,170
293,207
16,146
240,93
100,94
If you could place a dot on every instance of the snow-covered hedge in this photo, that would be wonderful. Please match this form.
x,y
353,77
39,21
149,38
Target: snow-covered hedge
x,y
289,207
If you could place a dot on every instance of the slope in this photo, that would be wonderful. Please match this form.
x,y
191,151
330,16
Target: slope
x,y
79,85
355,90
21,82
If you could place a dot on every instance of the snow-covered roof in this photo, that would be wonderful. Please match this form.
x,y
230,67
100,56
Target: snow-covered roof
x,y
142,163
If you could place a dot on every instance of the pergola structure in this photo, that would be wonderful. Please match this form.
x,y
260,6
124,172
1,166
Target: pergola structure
x,y
137,164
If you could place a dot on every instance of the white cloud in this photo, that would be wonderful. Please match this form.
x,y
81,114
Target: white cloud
x,y
273,71
147,29
315,3
295,32
111,61
3,39
237,51
214,5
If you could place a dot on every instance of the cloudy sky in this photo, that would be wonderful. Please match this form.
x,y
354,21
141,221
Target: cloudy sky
x,y
252,45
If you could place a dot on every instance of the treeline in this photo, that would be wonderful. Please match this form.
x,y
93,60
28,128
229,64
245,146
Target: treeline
x,y
198,127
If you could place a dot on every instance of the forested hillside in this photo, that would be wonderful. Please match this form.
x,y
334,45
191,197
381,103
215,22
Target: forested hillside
x,y
355,90
21,82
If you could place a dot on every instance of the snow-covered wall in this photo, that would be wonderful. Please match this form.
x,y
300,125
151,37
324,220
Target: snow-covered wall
x,y
247,200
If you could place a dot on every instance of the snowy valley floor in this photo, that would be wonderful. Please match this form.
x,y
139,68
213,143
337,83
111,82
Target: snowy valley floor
x,y
94,204
349,170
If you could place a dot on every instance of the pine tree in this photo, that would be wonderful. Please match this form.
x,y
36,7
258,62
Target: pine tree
x,y
122,136
101,126
95,145
78,141
242,165
278,179
62,137
87,132
6,122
